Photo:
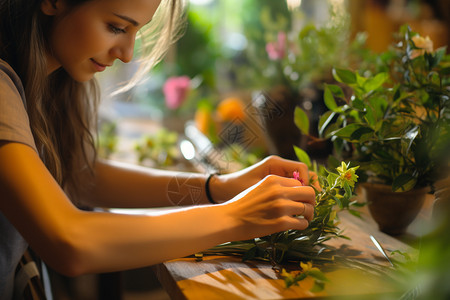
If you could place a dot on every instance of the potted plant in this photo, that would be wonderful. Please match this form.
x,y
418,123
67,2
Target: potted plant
x,y
393,120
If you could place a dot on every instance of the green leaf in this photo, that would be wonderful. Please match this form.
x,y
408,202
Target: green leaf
x,y
348,190
317,274
403,183
358,104
355,213
374,83
324,120
370,117
344,76
250,254
329,99
397,93
330,129
336,90
289,281
358,134
435,58
347,131
331,178
301,120
377,105
361,81
302,156
338,202
354,114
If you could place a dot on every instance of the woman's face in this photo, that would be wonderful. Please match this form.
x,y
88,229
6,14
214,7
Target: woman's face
x,y
90,37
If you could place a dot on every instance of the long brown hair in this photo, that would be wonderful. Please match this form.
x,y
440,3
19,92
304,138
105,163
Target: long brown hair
x,y
63,112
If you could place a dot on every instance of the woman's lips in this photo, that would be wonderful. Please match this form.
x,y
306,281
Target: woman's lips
x,y
98,66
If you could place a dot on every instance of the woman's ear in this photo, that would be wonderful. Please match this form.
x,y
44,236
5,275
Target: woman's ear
x,y
51,7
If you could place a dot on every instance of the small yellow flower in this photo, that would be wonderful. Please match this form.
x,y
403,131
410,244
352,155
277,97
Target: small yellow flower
x,y
347,175
306,267
285,273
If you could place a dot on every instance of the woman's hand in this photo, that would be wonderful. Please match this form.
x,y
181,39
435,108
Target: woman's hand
x,y
274,204
225,187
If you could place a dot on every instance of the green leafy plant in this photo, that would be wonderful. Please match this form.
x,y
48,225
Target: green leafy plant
x,y
394,119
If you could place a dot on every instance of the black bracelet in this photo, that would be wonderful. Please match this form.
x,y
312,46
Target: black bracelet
x,y
207,191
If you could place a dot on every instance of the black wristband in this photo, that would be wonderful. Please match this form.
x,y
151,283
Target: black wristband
x,y
207,191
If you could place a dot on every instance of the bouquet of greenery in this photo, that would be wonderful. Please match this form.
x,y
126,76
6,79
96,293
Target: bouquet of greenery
x,y
304,245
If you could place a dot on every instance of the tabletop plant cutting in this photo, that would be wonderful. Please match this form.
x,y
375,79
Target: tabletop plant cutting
x,y
304,246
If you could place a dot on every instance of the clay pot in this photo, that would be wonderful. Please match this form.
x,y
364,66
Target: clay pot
x,y
393,211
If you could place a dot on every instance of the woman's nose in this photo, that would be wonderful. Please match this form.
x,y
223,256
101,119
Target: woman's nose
x,y
124,50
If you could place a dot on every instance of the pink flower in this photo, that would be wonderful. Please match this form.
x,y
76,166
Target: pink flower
x,y
296,175
277,50
176,90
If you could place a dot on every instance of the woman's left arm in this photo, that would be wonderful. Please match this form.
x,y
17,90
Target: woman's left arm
x,y
129,186
123,185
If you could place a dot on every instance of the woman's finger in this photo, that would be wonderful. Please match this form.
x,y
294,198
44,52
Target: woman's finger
x,y
299,193
308,213
303,209
289,222
285,167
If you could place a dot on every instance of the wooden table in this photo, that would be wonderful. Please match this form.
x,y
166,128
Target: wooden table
x,y
227,277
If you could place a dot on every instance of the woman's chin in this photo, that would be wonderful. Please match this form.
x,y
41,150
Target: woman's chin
x,y
82,77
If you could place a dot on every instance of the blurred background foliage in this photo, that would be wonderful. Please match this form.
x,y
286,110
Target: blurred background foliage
x,y
224,53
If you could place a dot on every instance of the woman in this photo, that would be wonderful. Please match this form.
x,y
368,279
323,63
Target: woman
x,y
49,53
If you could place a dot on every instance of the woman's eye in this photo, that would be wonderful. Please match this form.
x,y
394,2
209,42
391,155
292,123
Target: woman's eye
x,y
115,29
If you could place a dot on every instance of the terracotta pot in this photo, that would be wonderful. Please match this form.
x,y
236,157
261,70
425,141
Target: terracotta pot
x,y
393,211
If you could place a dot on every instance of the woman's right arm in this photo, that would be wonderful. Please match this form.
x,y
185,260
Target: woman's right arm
x,y
75,242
